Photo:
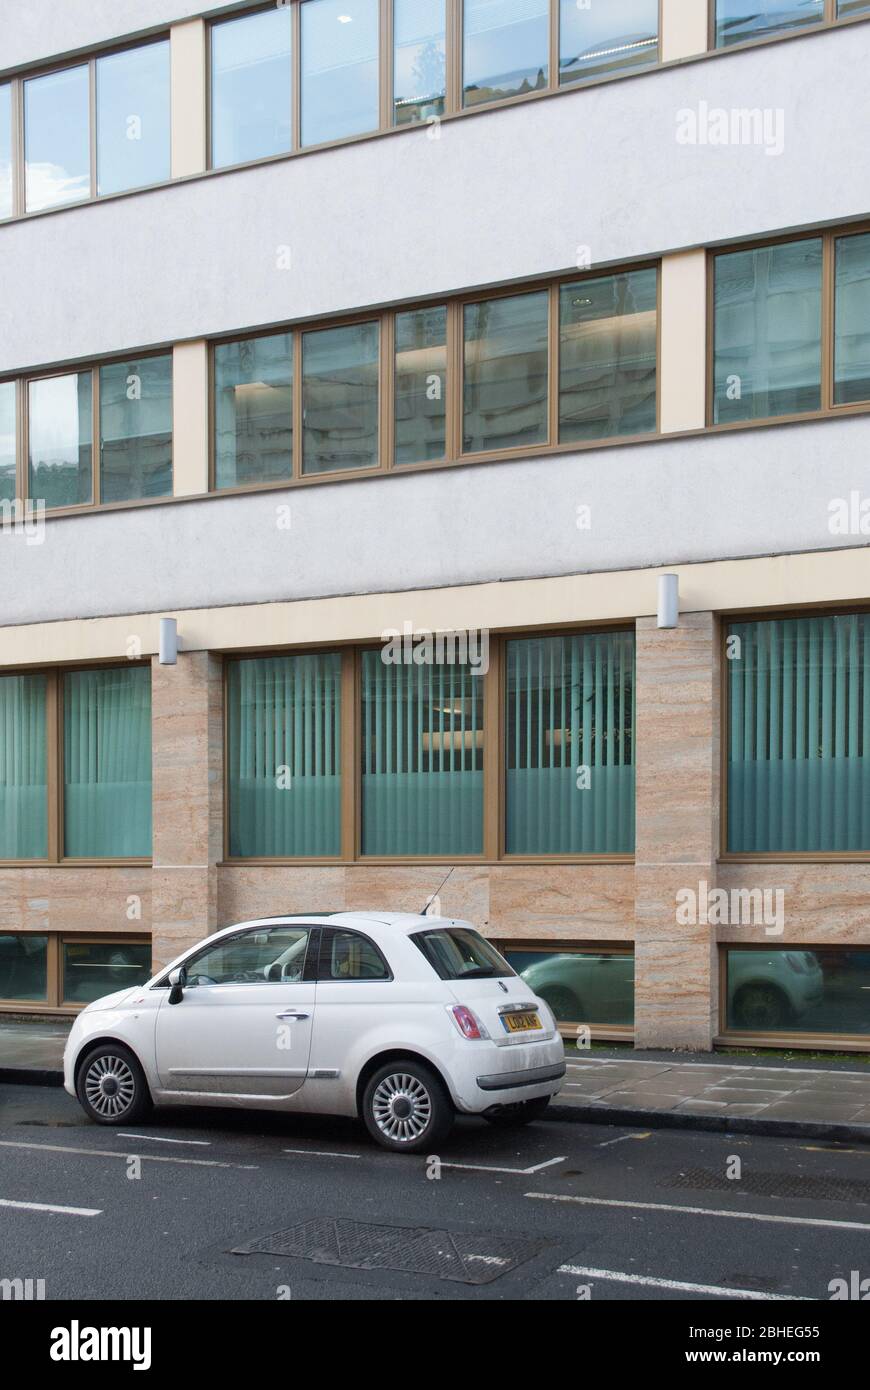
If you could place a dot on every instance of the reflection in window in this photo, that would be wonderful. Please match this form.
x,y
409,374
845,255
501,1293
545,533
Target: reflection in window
x,y
607,356
266,956
419,60
506,48
23,786
852,320
94,969
847,8
251,77
506,372
61,440
421,385
600,39
768,331
133,118
253,387
789,990
107,763
340,398
136,429
57,155
740,20
23,966
340,58
8,478
586,987
6,150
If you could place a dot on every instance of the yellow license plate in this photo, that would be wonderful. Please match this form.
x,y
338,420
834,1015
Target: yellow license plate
x,y
521,1023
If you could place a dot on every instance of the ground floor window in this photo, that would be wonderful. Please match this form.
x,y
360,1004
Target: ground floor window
x,y
590,986
56,970
823,990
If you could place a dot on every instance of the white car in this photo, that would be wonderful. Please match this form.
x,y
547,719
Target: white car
x,y
399,1018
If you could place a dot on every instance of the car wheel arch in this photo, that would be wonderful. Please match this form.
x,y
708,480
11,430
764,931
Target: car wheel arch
x,y
108,1040
396,1054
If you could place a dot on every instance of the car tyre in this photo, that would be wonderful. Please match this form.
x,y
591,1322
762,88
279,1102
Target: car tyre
x,y
406,1108
111,1086
762,1007
523,1113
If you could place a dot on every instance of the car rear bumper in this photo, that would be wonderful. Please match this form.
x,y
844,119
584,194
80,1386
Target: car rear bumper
x,y
483,1075
511,1080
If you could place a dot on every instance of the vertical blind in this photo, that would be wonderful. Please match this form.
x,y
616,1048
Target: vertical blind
x,y
23,792
283,752
107,763
570,745
422,758
799,721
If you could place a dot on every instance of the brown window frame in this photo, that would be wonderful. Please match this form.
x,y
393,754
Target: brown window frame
x,y
823,1042
56,940
598,1032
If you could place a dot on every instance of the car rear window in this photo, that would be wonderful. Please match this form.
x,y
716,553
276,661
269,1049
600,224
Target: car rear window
x,y
455,953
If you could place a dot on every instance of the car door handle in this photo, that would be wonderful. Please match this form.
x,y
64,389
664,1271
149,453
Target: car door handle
x,y
292,1013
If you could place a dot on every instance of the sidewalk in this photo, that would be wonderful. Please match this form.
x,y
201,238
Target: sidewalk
x,y
821,1100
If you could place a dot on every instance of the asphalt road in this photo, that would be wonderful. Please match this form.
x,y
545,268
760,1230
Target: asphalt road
x,y
556,1211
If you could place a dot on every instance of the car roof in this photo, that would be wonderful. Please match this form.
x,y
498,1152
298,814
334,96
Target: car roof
x,y
400,922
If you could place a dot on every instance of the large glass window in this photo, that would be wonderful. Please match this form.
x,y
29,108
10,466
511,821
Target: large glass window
x,y
847,8
57,156
268,955
422,758
133,118
136,429
24,967
607,356
569,779
8,435
284,756
739,20
253,394
340,374
421,385
597,39
799,735
419,60
23,778
595,988
5,150
852,320
340,59
251,81
107,763
61,439
506,372
92,969
792,990
506,48
768,331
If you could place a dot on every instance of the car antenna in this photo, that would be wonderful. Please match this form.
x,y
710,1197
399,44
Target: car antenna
x,y
429,901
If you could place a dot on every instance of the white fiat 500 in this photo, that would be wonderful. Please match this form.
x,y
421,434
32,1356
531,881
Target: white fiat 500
x,y
398,1018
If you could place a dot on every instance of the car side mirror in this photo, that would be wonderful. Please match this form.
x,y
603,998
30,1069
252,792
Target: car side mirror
x,y
177,981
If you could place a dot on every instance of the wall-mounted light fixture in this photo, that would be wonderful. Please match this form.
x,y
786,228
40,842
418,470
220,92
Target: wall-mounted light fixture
x,y
669,600
168,641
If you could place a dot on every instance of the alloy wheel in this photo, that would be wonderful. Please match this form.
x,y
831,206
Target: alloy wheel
x,y
402,1107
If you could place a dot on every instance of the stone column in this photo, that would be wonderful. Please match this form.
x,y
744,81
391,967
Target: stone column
x,y
677,719
187,761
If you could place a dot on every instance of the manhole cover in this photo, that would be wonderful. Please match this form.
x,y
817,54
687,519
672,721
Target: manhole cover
x,y
471,1259
775,1185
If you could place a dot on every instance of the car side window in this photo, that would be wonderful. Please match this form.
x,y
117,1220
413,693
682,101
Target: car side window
x,y
346,955
264,955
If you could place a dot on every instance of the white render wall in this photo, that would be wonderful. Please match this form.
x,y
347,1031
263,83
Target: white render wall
x,y
36,31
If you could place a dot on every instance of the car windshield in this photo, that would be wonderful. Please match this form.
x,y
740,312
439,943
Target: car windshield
x,y
455,953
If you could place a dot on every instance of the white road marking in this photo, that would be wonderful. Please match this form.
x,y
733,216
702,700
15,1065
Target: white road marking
x,y
622,1138
321,1153
701,1211
112,1153
717,1066
159,1139
678,1285
42,1206
489,1168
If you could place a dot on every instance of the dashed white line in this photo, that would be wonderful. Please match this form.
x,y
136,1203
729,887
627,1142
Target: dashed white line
x,y
160,1139
700,1211
113,1153
44,1206
489,1168
614,1276
647,1134
320,1153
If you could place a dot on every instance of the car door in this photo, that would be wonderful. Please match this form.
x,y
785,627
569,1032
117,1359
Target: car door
x,y
244,1025
354,989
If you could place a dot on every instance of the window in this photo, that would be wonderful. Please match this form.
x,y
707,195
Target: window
x,y
346,955
267,955
506,49
419,60
455,953
253,394
506,372
136,429
421,385
739,20
283,756
61,439
57,157
92,969
23,777
792,990
24,967
340,393
251,80
799,735
107,763
607,356
847,8
569,779
6,176
133,118
852,320
768,331
595,40
340,60
422,758
8,446
589,987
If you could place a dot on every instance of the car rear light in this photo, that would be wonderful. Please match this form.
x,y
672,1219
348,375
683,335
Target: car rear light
x,y
468,1023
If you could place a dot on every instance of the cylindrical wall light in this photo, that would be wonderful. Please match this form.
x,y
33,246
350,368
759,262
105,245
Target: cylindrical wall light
x,y
168,641
669,600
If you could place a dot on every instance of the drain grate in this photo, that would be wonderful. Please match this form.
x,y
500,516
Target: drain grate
x,y
470,1259
775,1185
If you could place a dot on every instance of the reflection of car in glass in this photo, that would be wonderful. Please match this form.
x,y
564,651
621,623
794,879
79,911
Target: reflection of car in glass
x,y
768,991
585,987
